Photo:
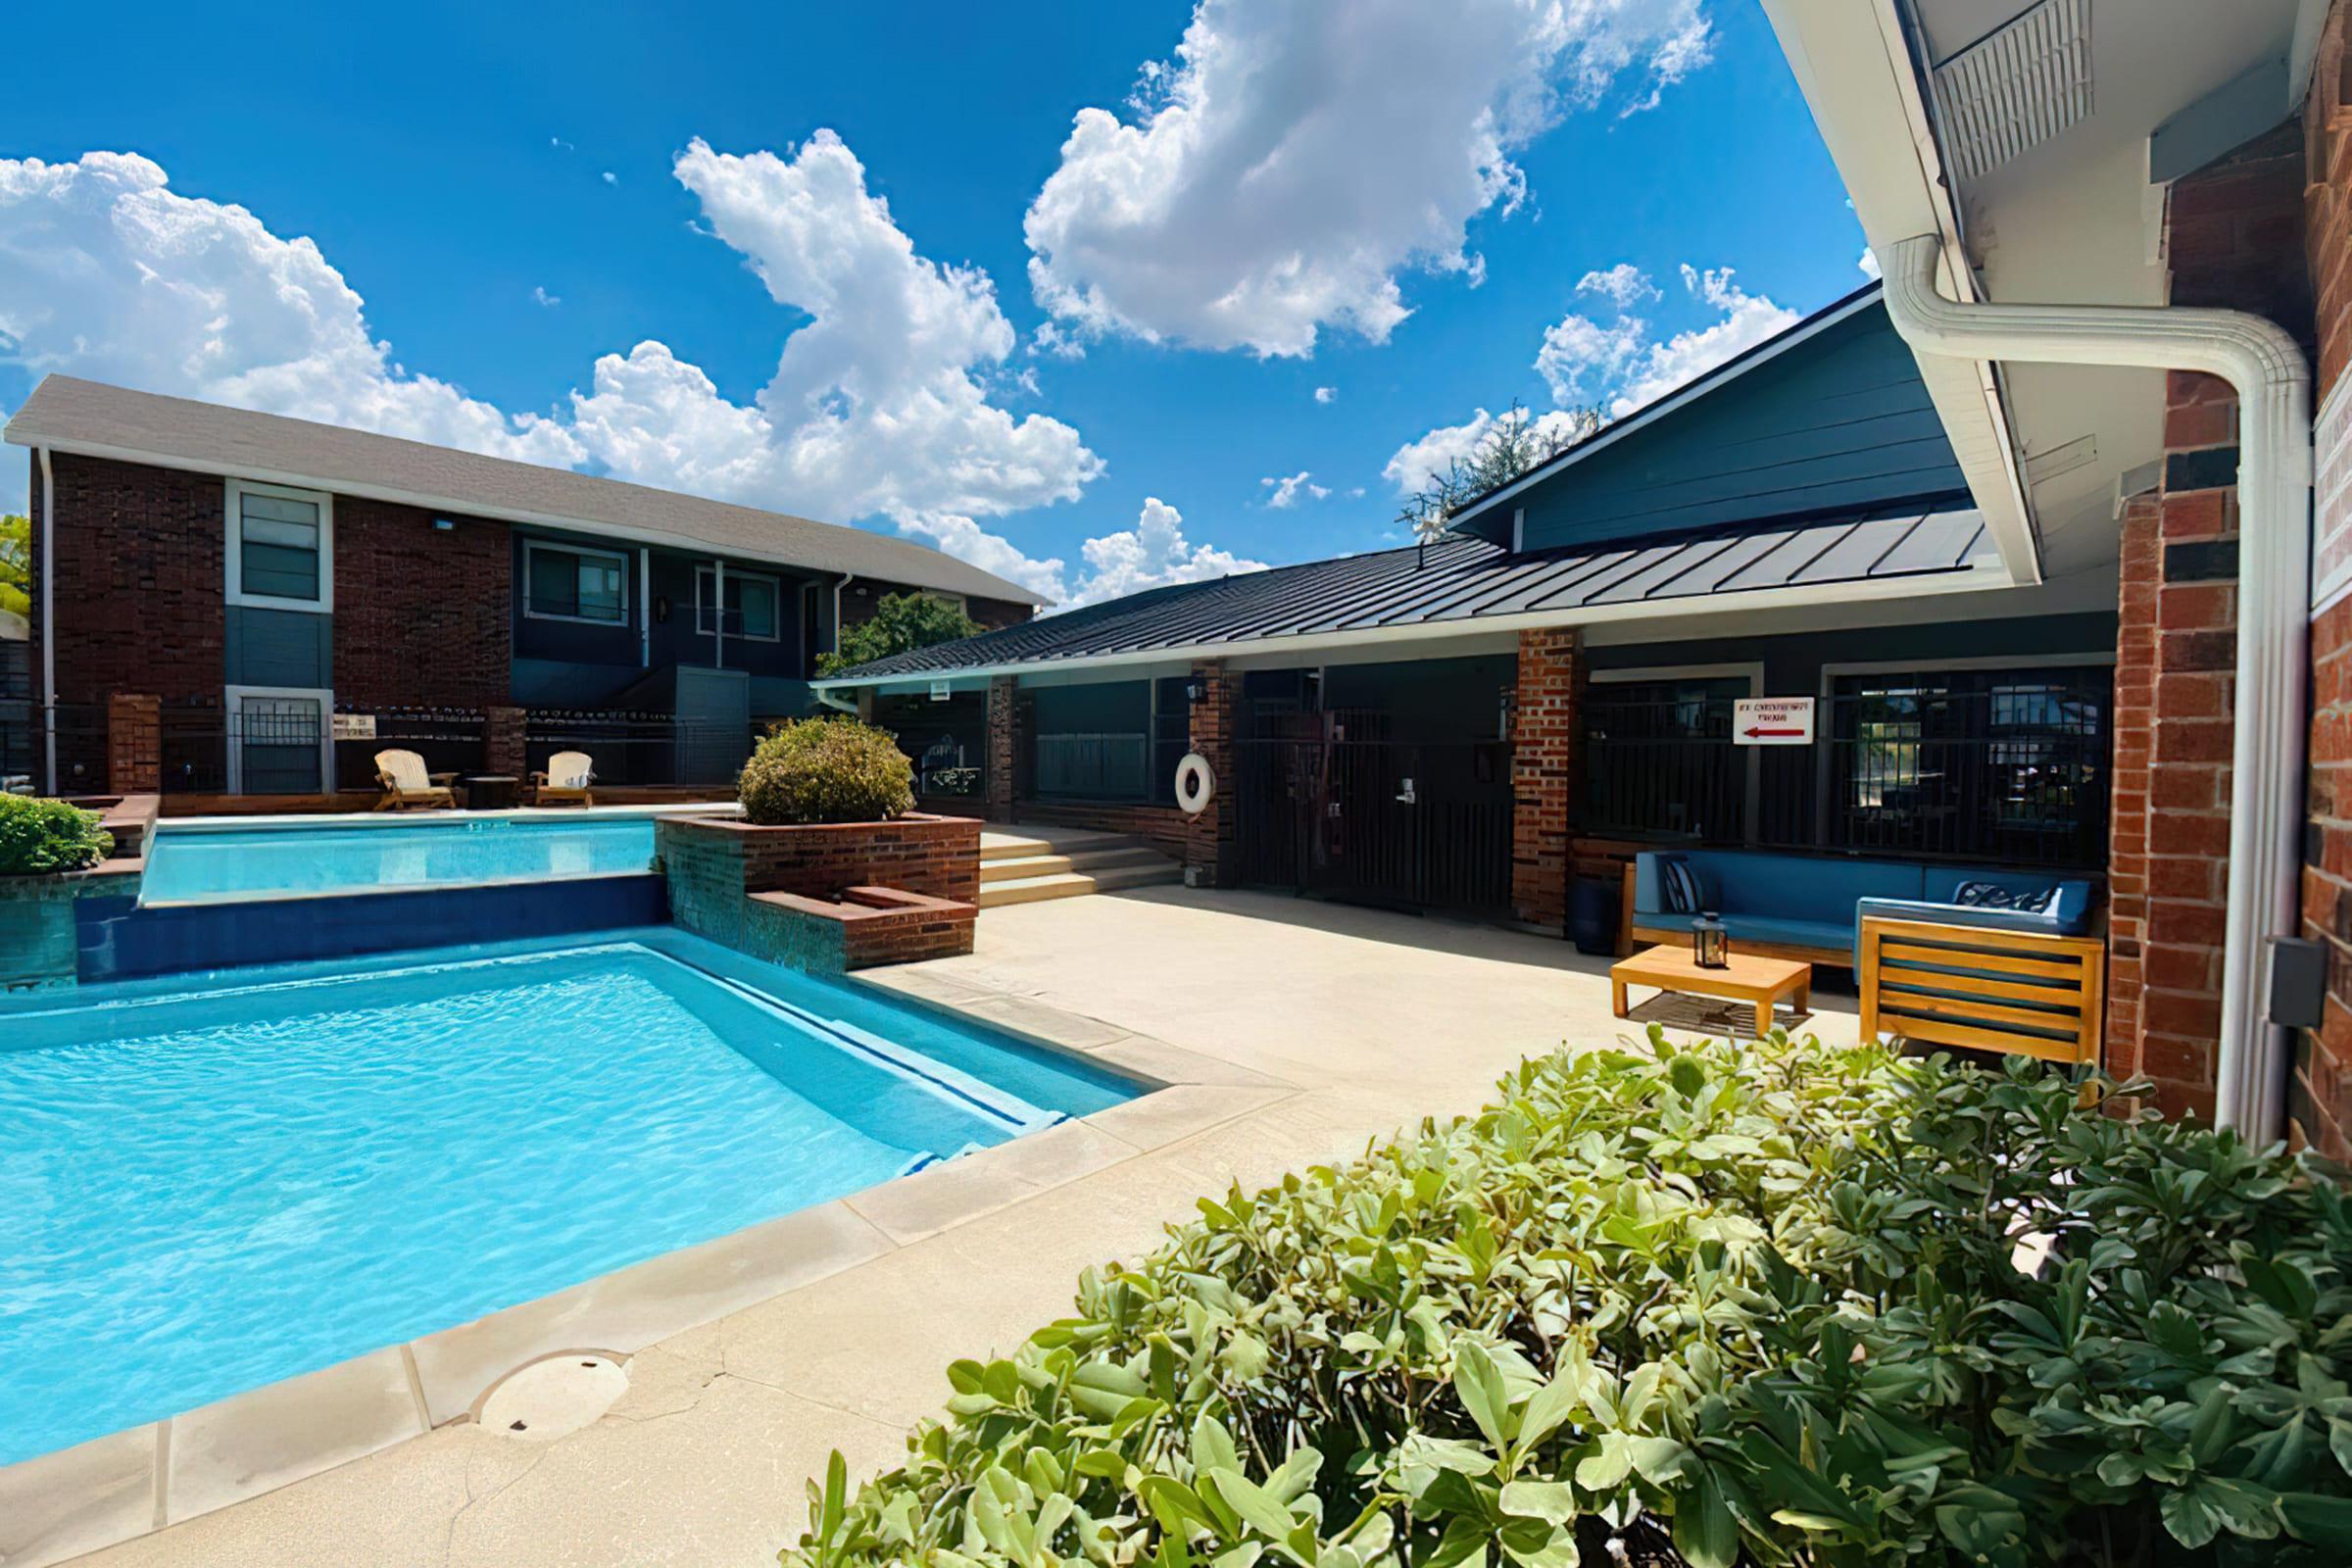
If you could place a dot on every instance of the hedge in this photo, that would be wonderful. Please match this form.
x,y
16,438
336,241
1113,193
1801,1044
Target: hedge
x,y
826,770
1729,1302
41,837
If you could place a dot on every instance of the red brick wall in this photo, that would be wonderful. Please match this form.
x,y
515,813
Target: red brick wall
x,y
1210,833
134,744
422,615
2234,238
141,580
1543,773
938,855
2319,1095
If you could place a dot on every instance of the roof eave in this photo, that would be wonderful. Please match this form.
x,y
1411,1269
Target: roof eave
x,y
12,435
1854,66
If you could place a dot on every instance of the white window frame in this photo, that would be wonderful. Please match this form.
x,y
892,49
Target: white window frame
x,y
233,706
619,557
233,543
775,586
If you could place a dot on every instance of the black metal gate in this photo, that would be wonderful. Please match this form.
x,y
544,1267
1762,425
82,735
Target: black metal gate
x,y
1411,824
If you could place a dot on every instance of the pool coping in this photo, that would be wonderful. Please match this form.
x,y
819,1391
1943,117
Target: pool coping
x,y
133,1483
423,818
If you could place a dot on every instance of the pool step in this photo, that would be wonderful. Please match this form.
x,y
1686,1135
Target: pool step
x,y
1016,869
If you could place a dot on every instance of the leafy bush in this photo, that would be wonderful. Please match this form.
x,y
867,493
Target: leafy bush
x,y
900,624
825,770
1755,1304
38,837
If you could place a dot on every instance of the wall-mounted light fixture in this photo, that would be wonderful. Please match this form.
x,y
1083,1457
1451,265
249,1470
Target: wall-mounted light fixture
x,y
1195,690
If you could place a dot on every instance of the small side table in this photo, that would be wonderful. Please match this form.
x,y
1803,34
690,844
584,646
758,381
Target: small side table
x,y
492,792
1746,978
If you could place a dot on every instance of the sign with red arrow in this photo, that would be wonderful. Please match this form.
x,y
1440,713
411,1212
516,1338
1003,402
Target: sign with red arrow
x,y
1771,722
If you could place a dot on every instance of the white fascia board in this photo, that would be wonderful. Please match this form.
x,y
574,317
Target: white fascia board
x,y
1852,64
422,500
1981,576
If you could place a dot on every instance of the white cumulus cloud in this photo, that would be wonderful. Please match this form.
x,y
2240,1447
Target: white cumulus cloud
x,y
878,404
1152,553
108,272
1287,490
1277,175
1621,363
1327,394
1413,466
540,296
1869,263
1623,285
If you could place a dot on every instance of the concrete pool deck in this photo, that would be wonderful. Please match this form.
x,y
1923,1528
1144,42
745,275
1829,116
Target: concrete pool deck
x,y
1302,1030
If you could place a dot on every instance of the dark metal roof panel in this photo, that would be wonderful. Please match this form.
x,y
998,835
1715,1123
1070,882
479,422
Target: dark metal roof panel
x,y
1465,580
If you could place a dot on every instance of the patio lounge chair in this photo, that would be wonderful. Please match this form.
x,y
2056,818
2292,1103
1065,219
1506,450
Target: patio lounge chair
x,y
407,784
566,778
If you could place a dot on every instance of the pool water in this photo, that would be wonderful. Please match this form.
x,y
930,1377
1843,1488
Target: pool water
x,y
211,1187
222,864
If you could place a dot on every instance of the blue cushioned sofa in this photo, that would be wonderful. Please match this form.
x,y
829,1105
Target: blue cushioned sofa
x,y
1812,906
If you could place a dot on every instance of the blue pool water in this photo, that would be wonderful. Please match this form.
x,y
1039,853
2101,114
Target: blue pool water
x,y
215,1183
214,865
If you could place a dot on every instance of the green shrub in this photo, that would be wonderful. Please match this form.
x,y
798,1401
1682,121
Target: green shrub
x,y
1729,1304
826,770
38,837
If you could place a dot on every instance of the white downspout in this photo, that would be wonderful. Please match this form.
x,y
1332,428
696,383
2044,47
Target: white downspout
x,y
2262,363
847,579
48,625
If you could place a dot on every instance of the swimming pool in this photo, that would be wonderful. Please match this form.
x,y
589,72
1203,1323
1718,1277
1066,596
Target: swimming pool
x,y
232,863
216,1184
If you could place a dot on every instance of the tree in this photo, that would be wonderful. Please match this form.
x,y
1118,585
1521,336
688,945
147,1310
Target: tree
x,y
901,623
1509,447
16,565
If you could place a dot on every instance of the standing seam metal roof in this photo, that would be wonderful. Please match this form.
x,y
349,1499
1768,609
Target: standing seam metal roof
x,y
1465,579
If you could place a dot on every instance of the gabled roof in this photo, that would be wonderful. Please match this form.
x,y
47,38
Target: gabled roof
x,y
1690,391
1463,583
68,414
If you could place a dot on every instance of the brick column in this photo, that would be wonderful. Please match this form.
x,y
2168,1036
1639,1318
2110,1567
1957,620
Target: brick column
x,y
2175,663
1210,836
1003,746
503,749
1543,774
2319,1099
134,744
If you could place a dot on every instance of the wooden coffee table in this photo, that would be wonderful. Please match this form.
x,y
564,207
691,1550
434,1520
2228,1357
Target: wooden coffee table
x,y
1747,978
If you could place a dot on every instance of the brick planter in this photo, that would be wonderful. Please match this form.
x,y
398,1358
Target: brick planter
x,y
830,886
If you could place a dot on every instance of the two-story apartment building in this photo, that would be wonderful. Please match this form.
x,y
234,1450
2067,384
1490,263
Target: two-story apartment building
x,y
257,574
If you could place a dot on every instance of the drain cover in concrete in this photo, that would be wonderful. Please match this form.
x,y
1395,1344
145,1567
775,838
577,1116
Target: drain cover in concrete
x,y
551,1399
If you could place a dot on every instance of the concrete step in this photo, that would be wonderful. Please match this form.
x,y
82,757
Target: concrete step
x,y
1008,844
1115,857
1077,884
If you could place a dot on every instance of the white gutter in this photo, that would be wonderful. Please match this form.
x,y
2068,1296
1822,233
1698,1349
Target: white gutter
x,y
2261,362
847,578
48,623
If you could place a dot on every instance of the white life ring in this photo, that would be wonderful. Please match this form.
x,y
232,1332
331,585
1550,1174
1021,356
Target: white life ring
x,y
1195,783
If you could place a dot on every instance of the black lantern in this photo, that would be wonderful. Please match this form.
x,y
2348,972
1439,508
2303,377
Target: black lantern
x,y
1710,948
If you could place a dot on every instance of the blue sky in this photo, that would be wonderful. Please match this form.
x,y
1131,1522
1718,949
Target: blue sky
x,y
1422,200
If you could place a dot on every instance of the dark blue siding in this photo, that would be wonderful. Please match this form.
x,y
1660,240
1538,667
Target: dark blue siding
x,y
1838,422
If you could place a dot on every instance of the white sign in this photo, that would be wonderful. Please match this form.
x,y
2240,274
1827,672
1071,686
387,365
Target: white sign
x,y
939,691
2331,499
355,726
1772,720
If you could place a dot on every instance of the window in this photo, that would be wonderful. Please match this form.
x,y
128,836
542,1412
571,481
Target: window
x,y
751,605
563,582
1171,733
278,740
1659,761
280,547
